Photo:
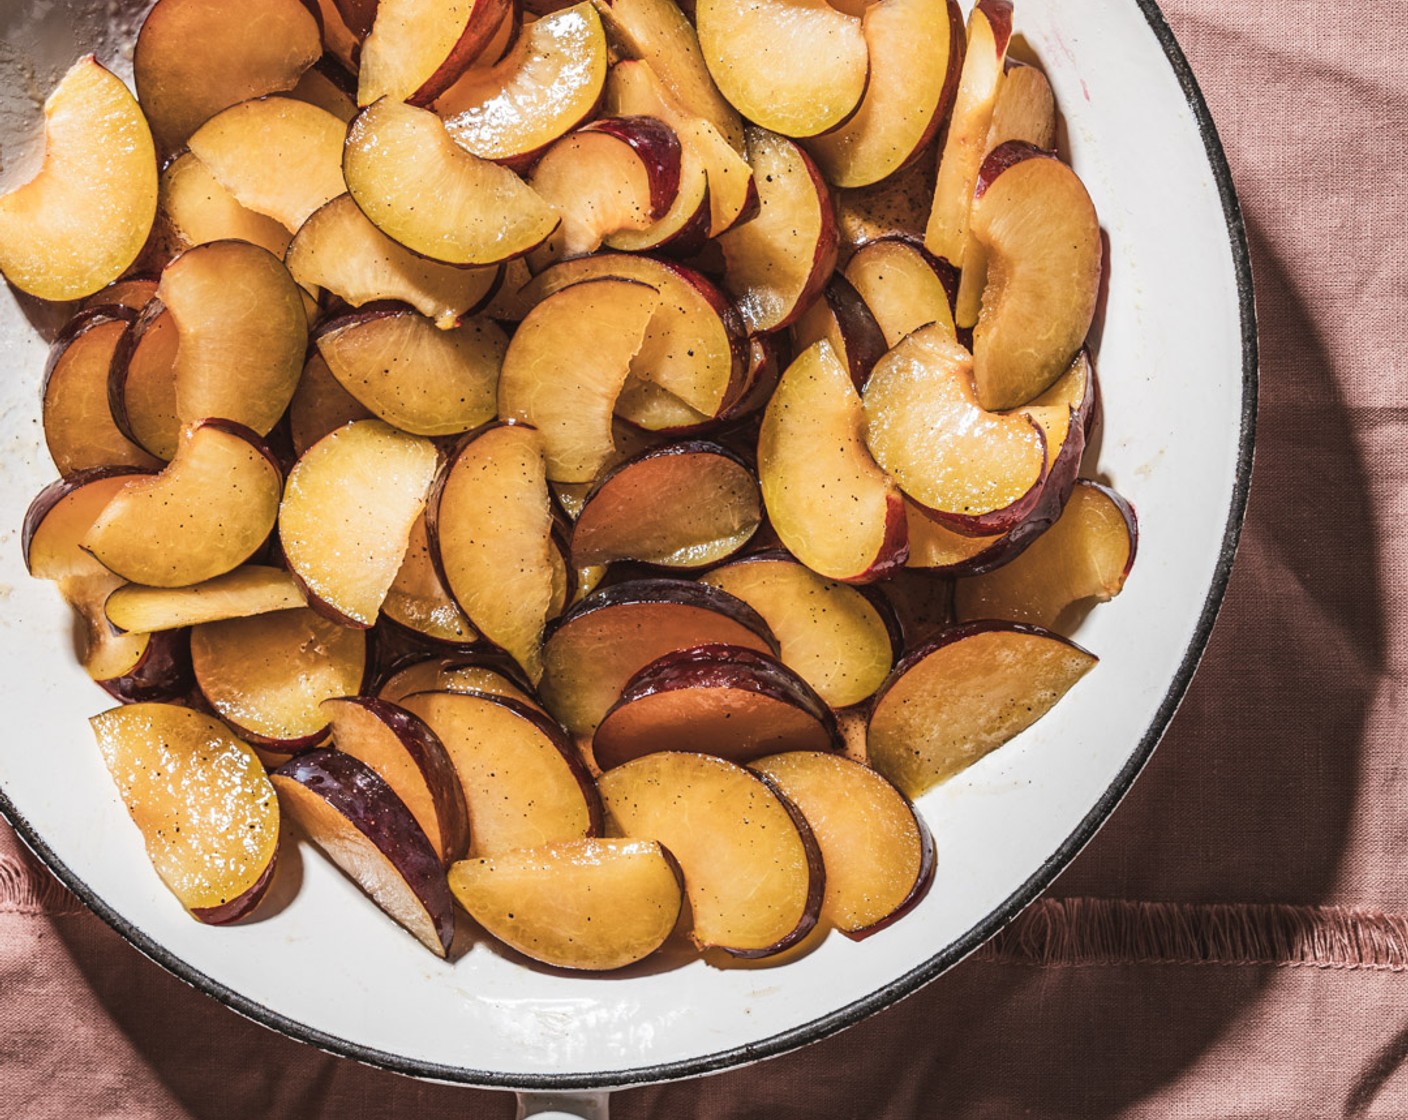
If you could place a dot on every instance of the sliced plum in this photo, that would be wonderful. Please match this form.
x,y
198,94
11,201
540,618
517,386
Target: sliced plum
x,y
588,904
202,801
719,700
963,695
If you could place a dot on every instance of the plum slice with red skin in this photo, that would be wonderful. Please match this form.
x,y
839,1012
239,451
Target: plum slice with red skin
x,y
163,673
683,229
51,538
796,67
615,174
359,823
200,797
195,58
79,429
489,524
196,209
965,145
84,218
916,54
878,852
752,870
589,904
340,250
548,84
299,167
1041,237
566,366
977,472
241,334
415,376
267,674
841,640
599,644
1025,107
248,590
416,49
1025,110
766,361
142,382
964,694
138,668
830,504
1085,555
695,346
720,700
524,783
418,600
410,758
129,667
775,264
942,550
936,548
1065,413
347,512
683,505
424,191
206,513
904,286
842,318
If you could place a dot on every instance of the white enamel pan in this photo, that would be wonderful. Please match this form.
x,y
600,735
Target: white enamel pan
x,y
1177,359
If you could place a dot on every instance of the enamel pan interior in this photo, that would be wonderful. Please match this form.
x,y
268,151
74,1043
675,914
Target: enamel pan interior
x,y
1178,365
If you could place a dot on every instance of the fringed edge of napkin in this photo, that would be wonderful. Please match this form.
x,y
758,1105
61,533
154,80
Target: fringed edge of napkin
x,y
1076,932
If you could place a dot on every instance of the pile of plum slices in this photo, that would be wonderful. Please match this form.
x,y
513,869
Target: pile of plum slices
x,y
572,461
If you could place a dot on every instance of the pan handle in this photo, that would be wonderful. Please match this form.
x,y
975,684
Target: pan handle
x,y
562,1106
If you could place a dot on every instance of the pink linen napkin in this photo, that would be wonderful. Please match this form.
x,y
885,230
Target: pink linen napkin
x,y
1233,943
